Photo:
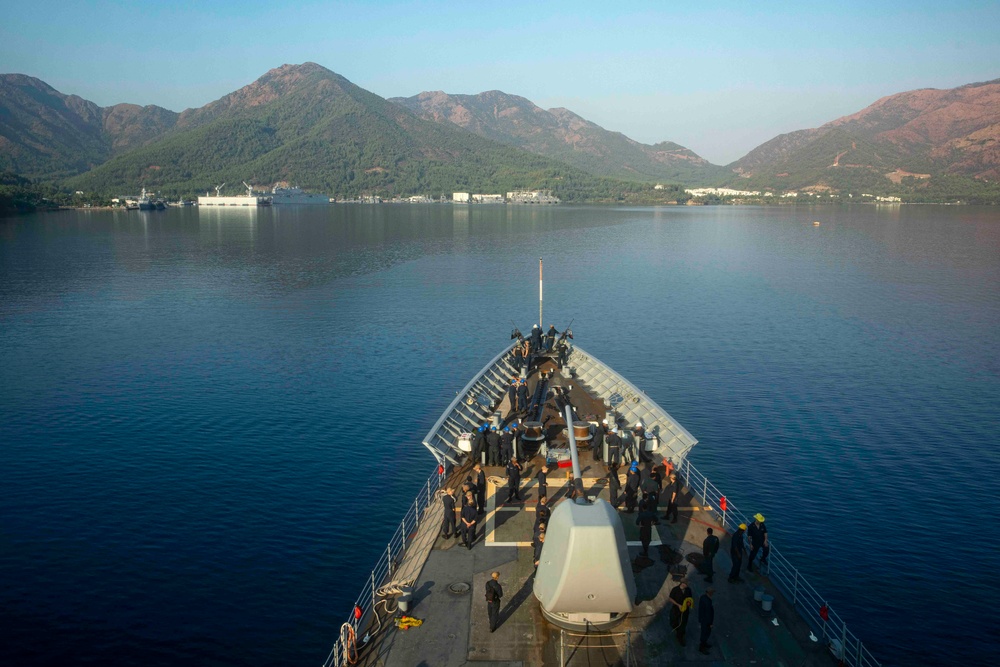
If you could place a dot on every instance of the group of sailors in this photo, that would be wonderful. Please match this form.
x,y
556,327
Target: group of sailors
x,y
538,343
501,444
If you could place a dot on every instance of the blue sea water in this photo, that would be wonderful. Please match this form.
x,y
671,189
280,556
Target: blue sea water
x,y
210,420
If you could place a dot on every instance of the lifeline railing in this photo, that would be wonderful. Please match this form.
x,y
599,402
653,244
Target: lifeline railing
x,y
832,629
810,605
386,566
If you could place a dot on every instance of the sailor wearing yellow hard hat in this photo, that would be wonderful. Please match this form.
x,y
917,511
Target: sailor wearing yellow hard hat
x,y
757,532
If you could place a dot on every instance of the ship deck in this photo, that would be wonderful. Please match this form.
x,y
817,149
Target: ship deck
x,y
449,584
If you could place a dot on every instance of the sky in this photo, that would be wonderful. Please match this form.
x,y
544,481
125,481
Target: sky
x,y
717,77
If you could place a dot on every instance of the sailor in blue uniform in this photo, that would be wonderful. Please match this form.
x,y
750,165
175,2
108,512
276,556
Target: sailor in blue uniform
x,y
480,486
479,443
448,527
506,446
736,550
542,512
614,448
614,485
469,519
522,396
757,532
512,396
493,447
519,353
536,340
494,595
632,480
542,478
513,480
550,337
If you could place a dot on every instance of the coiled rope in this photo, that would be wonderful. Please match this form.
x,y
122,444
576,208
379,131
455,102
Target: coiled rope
x,y
348,644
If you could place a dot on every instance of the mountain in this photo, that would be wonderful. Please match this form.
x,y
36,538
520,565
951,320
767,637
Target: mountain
x,y
916,139
561,135
310,126
44,133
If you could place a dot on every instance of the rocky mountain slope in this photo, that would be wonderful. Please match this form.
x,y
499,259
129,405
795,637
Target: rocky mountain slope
x,y
561,135
44,133
912,138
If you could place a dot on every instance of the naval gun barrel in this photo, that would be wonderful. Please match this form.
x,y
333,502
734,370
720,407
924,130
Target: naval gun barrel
x,y
581,499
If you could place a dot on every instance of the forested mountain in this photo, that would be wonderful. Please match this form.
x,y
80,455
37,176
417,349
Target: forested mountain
x,y
308,125
46,134
562,135
919,140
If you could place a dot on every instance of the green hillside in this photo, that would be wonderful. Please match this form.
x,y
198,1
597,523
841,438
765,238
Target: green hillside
x,y
309,126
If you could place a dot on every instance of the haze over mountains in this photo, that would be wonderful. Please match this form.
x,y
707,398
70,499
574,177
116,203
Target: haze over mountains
x,y
308,125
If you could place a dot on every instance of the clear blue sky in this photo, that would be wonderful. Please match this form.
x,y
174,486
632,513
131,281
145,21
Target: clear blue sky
x,y
717,77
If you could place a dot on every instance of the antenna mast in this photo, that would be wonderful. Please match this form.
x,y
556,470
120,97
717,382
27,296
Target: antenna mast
x,y
539,292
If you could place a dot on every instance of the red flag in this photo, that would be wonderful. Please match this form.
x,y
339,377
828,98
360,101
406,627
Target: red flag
x,y
722,503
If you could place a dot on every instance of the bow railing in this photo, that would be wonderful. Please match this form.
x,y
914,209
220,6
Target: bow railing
x,y
810,605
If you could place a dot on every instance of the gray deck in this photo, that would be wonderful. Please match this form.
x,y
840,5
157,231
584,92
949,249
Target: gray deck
x,y
455,629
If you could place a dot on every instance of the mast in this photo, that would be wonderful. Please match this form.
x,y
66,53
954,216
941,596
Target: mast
x,y
539,292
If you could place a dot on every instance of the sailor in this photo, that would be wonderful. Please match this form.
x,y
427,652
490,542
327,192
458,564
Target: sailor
x,y
513,480
512,396
493,447
479,443
468,486
657,477
469,519
448,527
628,452
542,511
506,446
650,489
597,442
522,396
519,353
539,543
536,339
680,609
757,532
539,529
515,436
645,520
614,448
639,435
736,550
480,486
632,479
494,595
542,478
709,548
673,492
706,618
550,337
614,486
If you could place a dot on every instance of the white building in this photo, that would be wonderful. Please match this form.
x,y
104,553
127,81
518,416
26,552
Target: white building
x,y
487,199
531,197
460,197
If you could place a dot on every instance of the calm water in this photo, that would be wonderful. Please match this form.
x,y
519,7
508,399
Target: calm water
x,y
209,418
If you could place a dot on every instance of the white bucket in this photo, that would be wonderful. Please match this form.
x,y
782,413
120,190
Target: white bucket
x,y
465,442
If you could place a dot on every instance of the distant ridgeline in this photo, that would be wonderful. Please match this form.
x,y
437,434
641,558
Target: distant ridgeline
x,y
307,125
